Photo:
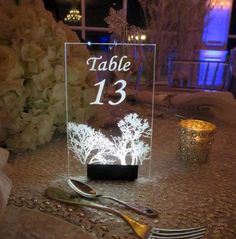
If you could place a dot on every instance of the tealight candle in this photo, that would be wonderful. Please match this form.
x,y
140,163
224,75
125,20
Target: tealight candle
x,y
195,139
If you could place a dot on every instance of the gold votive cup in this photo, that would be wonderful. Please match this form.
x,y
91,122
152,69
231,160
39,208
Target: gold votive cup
x,y
195,139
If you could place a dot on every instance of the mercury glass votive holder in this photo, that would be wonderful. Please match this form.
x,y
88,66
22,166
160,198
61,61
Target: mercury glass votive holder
x,y
195,139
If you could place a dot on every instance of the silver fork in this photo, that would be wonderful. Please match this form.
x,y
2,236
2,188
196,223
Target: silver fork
x,y
143,231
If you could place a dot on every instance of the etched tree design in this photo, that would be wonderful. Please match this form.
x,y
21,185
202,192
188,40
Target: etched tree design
x,y
121,148
141,152
93,147
133,129
88,145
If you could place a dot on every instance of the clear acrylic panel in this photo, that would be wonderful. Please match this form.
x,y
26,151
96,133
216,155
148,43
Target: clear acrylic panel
x,y
107,123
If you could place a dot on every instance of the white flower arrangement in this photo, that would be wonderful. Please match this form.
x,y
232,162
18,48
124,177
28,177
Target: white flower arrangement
x,y
5,182
32,94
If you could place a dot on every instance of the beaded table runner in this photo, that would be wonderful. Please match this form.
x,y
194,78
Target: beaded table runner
x,y
184,194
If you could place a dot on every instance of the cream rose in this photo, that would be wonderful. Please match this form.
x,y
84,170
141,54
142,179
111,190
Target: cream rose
x,y
32,91
10,68
5,183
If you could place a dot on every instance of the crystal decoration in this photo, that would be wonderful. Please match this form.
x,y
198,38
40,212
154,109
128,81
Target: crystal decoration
x,y
220,3
73,16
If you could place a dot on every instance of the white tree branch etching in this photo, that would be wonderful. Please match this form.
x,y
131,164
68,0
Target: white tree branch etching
x,y
121,148
92,147
88,145
140,152
103,151
132,130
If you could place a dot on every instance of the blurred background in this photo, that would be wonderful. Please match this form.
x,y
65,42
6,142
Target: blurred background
x,y
194,56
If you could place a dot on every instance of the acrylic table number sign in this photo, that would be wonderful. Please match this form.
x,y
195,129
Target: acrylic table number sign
x,y
109,129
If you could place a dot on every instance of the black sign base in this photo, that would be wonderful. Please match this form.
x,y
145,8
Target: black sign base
x,y
112,172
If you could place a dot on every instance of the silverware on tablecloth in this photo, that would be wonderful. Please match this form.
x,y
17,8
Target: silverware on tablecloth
x,y
143,231
88,192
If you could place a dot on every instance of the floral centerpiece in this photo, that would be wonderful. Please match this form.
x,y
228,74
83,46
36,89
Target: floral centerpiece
x,y
32,94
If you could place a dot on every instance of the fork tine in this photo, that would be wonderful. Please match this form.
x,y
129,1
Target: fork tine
x,y
182,234
191,233
178,230
194,237
198,237
190,236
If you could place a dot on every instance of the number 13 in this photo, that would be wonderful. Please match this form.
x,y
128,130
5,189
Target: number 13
x,y
119,91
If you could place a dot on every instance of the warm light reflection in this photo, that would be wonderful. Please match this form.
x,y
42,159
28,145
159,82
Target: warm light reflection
x,y
137,37
73,16
220,3
197,125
